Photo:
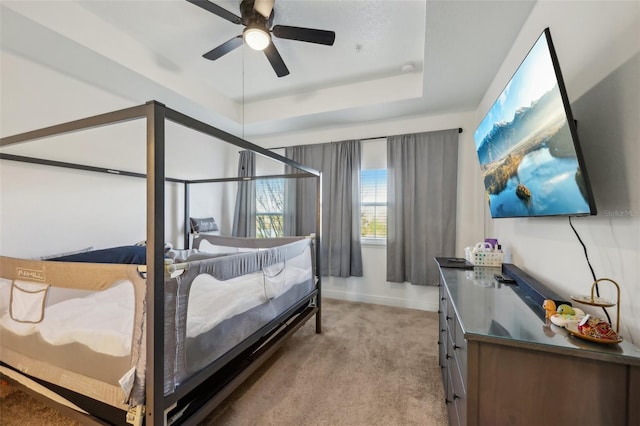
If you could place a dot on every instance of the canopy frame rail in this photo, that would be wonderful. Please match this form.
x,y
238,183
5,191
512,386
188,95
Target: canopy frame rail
x,y
156,114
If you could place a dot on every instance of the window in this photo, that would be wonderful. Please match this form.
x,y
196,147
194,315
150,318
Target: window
x,y
373,205
269,207
373,192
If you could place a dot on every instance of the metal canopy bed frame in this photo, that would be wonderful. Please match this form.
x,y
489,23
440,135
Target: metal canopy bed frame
x,y
200,394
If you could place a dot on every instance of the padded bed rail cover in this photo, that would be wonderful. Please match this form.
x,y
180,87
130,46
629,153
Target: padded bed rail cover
x,y
259,285
75,355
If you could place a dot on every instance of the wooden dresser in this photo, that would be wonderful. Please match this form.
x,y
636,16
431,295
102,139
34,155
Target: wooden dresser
x,y
503,364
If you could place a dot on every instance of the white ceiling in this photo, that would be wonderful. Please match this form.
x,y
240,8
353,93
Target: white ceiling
x,y
391,58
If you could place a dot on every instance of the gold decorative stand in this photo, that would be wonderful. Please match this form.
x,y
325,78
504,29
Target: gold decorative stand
x,y
599,301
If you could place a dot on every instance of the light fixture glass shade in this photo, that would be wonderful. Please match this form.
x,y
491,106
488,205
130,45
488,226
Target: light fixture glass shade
x,y
256,38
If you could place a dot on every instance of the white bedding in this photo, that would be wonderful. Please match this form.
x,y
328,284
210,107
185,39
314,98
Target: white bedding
x,y
212,301
103,320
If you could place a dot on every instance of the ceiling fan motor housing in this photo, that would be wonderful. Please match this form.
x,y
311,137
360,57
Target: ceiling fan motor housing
x,y
251,17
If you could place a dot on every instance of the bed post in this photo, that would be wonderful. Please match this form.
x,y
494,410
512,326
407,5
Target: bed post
x,y
187,224
154,414
318,257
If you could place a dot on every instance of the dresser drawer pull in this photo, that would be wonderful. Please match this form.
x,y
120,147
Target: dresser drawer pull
x,y
447,356
455,397
448,317
454,346
443,298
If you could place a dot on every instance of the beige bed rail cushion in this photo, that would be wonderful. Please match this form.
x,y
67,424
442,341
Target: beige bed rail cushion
x,y
27,301
87,276
92,277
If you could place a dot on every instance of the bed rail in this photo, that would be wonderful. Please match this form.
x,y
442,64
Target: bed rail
x,y
243,242
169,268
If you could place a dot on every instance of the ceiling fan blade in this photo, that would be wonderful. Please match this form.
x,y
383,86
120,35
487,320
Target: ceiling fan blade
x,y
309,35
264,7
217,10
224,48
276,60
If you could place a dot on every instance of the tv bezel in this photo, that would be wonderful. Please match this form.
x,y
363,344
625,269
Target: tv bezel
x,y
571,122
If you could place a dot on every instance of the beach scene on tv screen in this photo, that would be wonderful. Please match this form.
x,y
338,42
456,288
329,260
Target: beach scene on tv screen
x,y
527,155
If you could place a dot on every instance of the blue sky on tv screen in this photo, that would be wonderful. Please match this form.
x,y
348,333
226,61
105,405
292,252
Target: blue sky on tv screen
x,y
532,79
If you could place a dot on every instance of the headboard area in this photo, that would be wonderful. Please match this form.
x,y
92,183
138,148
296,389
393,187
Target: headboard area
x,y
204,224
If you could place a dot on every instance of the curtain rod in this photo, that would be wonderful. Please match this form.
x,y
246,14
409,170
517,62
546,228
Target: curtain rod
x,y
365,139
388,136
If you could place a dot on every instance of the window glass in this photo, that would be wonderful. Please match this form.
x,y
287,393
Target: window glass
x,y
269,207
373,204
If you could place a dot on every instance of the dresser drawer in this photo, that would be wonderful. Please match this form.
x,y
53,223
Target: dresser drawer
x,y
442,348
460,351
459,394
456,391
443,331
442,307
452,407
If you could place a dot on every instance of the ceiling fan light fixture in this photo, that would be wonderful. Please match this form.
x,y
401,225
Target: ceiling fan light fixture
x,y
256,37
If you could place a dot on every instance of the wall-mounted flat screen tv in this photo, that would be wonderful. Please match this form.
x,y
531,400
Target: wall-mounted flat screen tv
x,y
528,146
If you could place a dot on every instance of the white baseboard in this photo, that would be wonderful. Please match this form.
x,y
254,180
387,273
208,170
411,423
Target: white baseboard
x,y
423,305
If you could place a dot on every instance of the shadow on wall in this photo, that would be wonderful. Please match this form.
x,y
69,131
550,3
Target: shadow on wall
x,y
608,128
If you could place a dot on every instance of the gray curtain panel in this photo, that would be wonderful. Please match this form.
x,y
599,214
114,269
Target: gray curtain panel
x,y
339,163
421,204
244,217
300,196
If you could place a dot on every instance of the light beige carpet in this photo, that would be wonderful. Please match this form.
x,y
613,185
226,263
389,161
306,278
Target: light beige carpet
x,y
372,365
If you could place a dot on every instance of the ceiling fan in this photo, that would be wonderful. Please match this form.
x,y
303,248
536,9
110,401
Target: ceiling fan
x,y
257,18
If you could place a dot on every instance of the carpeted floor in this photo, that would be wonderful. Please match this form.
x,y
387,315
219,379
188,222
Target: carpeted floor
x,y
372,365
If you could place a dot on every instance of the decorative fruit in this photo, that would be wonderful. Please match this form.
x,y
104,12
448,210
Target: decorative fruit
x,y
565,309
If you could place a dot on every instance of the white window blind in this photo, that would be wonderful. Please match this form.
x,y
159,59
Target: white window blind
x,y
373,204
269,207
373,191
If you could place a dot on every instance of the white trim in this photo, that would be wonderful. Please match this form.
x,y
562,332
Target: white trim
x,y
381,300
373,241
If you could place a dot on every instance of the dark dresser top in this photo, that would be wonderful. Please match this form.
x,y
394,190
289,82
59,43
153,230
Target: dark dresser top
x,y
505,314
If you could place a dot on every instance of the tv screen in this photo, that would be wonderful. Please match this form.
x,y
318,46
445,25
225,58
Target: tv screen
x,y
528,147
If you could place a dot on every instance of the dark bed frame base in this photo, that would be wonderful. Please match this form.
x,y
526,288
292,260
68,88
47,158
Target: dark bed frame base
x,y
215,390
195,398
103,414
